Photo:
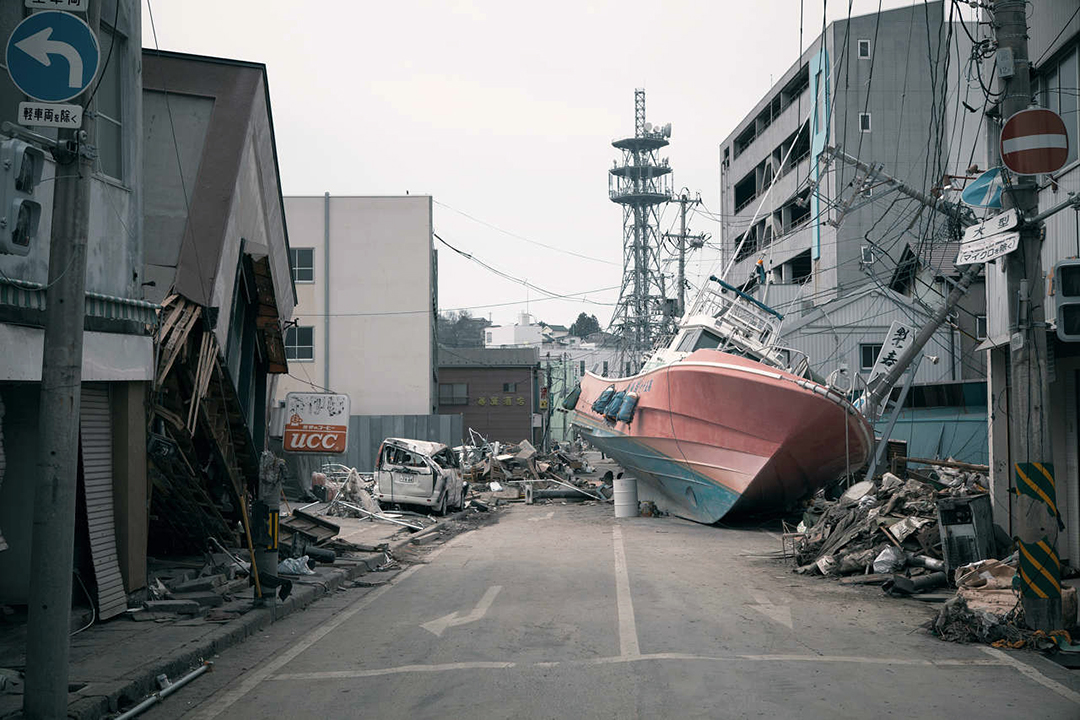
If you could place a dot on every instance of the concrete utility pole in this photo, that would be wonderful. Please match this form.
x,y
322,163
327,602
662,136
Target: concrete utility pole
x,y
684,201
1029,428
53,535
885,384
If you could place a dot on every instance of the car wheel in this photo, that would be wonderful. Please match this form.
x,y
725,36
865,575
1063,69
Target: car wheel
x,y
441,510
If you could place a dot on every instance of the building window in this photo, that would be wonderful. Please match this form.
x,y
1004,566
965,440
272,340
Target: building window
x,y
1056,90
867,255
628,370
980,327
868,353
864,122
488,341
108,104
605,367
582,367
864,49
453,393
300,343
303,264
509,387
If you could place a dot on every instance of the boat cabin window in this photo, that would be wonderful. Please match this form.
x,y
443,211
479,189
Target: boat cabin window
x,y
707,341
701,339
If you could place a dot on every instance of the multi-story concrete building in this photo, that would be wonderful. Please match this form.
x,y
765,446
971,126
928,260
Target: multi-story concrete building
x,y
1054,48
818,230
365,274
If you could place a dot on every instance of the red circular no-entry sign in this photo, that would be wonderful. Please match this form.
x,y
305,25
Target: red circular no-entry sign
x,y
1034,141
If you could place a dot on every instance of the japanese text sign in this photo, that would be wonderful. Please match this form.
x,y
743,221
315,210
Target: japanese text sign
x,y
316,423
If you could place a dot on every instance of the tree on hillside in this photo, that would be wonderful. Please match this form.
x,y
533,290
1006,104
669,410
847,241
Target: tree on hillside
x,y
460,329
585,325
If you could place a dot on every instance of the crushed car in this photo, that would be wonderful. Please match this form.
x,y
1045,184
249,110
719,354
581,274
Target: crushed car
x,y
416,472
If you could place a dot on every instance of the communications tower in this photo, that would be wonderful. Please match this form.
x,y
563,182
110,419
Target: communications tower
x,y
641,182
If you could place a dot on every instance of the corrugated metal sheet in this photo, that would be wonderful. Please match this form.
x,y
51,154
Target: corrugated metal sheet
x,y
366,433
95,430
1051,25
942,433
834,338
25,294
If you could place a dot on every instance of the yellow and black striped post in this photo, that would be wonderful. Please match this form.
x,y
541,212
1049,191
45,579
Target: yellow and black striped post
x,y
1039,567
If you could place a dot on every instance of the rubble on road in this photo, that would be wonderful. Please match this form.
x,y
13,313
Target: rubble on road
x,y
890,531
521,472
880,526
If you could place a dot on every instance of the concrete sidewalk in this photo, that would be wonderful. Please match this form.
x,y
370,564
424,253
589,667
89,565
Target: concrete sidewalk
x,y
115,664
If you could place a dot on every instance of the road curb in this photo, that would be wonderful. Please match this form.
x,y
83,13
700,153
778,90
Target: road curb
x,y
109,696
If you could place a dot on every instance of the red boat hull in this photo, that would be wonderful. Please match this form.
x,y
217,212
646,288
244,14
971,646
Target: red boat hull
x,y
717,434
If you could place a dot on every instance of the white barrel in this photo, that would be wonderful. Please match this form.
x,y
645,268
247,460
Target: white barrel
x,y
626,504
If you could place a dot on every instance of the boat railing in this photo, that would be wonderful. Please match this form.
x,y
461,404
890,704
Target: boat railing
x,y
797,362
751,318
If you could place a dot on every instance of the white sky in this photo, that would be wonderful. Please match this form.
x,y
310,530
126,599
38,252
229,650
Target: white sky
x,y
503,110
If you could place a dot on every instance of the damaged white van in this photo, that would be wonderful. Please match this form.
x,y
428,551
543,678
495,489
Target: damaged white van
x,y
415,472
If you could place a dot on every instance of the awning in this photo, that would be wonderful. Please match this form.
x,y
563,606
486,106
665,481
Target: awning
x,y
31,295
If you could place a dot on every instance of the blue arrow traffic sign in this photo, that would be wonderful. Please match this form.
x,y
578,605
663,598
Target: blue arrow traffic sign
x,y
985,191
52,56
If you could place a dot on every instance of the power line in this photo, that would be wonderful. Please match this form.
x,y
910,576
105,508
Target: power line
x,y
512,278
427,311
523,238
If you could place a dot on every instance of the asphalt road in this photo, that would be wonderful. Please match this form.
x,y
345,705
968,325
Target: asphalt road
x,y
560,611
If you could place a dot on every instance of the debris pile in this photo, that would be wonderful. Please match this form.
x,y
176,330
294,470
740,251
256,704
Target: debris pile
x,y
514,472
919,535
218,586
987,609
874,528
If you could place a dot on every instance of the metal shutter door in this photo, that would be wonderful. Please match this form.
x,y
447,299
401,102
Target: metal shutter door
x,y
3,465
95,425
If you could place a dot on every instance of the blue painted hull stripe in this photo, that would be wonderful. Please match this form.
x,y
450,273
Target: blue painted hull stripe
x,y
713,501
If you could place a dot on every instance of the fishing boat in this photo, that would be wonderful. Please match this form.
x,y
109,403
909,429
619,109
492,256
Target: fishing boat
x,y
722,420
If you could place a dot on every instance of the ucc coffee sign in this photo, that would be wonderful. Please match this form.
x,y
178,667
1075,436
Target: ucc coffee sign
x,y
316,423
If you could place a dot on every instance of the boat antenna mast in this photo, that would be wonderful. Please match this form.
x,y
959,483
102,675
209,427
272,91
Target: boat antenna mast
x,y
640,182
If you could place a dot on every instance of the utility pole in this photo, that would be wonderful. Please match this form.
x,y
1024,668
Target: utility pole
x,y
885,384
1029,431
696,241
53,536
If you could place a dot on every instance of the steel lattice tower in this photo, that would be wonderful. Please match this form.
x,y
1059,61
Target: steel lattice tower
x,y
641,182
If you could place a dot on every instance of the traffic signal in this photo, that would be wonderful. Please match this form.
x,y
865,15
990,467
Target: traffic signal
x,y
1067,300
20,214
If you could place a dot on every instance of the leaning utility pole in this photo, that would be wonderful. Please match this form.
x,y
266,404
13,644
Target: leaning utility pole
x,y
53,536
696,241
884,385
1036,526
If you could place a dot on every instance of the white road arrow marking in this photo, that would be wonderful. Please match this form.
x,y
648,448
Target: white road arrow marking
x,y
777,613
439,625
39,47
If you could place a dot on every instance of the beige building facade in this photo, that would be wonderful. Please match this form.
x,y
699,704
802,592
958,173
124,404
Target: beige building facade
x,y
366,287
